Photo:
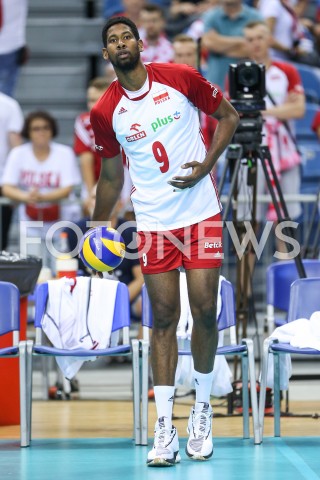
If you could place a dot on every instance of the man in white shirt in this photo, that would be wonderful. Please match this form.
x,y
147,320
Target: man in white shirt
x,y
157,48
13,53
11,123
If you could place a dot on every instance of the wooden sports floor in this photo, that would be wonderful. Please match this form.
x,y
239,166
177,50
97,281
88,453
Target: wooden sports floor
x,y
92,440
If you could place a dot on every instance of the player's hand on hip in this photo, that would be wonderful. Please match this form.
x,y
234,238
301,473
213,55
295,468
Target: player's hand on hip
x,y
198,172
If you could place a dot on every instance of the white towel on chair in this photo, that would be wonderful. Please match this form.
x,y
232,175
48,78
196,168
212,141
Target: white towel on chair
x,y
184,374
79,318
301,333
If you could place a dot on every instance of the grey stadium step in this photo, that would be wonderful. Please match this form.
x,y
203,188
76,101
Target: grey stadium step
x,y
51,85
66,121
58,61
64,36
72,8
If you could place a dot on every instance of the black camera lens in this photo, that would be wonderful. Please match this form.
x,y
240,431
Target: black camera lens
x,y
247,87
248,76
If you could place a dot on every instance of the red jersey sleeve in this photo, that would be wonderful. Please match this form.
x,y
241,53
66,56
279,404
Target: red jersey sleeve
x,y
316,122
203,94
294,79
106,143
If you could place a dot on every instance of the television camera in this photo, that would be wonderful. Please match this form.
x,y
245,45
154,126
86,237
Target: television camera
x,y
247,89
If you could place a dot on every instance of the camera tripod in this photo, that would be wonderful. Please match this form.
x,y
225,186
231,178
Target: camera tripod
x,y
251,153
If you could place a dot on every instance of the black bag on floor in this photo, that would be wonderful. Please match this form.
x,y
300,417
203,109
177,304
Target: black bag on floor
x,y
22,271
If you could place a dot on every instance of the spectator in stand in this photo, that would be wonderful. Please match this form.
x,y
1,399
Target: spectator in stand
x,y
156,46
186,51
291,40
13,50
11,123
132,10
196,29
111,9
38,175
316,124
84,144
223,37
115,7
309,15
285,101
182,13
315,29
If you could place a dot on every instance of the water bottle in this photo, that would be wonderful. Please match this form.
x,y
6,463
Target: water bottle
x,y
66,266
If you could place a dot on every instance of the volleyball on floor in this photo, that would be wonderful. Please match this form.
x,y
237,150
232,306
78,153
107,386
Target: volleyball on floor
x,y
102,249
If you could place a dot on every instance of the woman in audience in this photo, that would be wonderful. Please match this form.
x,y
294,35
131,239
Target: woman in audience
x,y
40,174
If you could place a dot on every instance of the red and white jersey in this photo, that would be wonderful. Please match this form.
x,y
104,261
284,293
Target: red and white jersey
x,y
84,140
159,131
161,52
281,79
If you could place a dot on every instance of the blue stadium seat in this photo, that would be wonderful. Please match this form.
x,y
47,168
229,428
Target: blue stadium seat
x,y
310,160
280,276
303,125
10,330
304,300
310,77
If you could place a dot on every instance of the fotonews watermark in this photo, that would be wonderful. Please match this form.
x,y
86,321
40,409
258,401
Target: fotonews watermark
x,y
33,233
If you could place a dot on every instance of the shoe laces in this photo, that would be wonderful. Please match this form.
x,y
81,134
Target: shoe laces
x,y
201,422
162,435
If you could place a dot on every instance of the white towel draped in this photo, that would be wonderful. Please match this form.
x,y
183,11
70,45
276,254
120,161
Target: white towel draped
x,y
79,317
185,369
300,333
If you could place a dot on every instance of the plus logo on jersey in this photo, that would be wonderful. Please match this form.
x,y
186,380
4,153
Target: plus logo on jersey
x,y
161,122
160,97
137,136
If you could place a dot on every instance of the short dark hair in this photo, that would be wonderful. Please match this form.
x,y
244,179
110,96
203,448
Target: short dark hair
x,y
34,116
255,23
152,8
114,21
100,83
183,38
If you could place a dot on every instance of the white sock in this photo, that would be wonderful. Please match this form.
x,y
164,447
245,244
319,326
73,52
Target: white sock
x,y
203,386
164,395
